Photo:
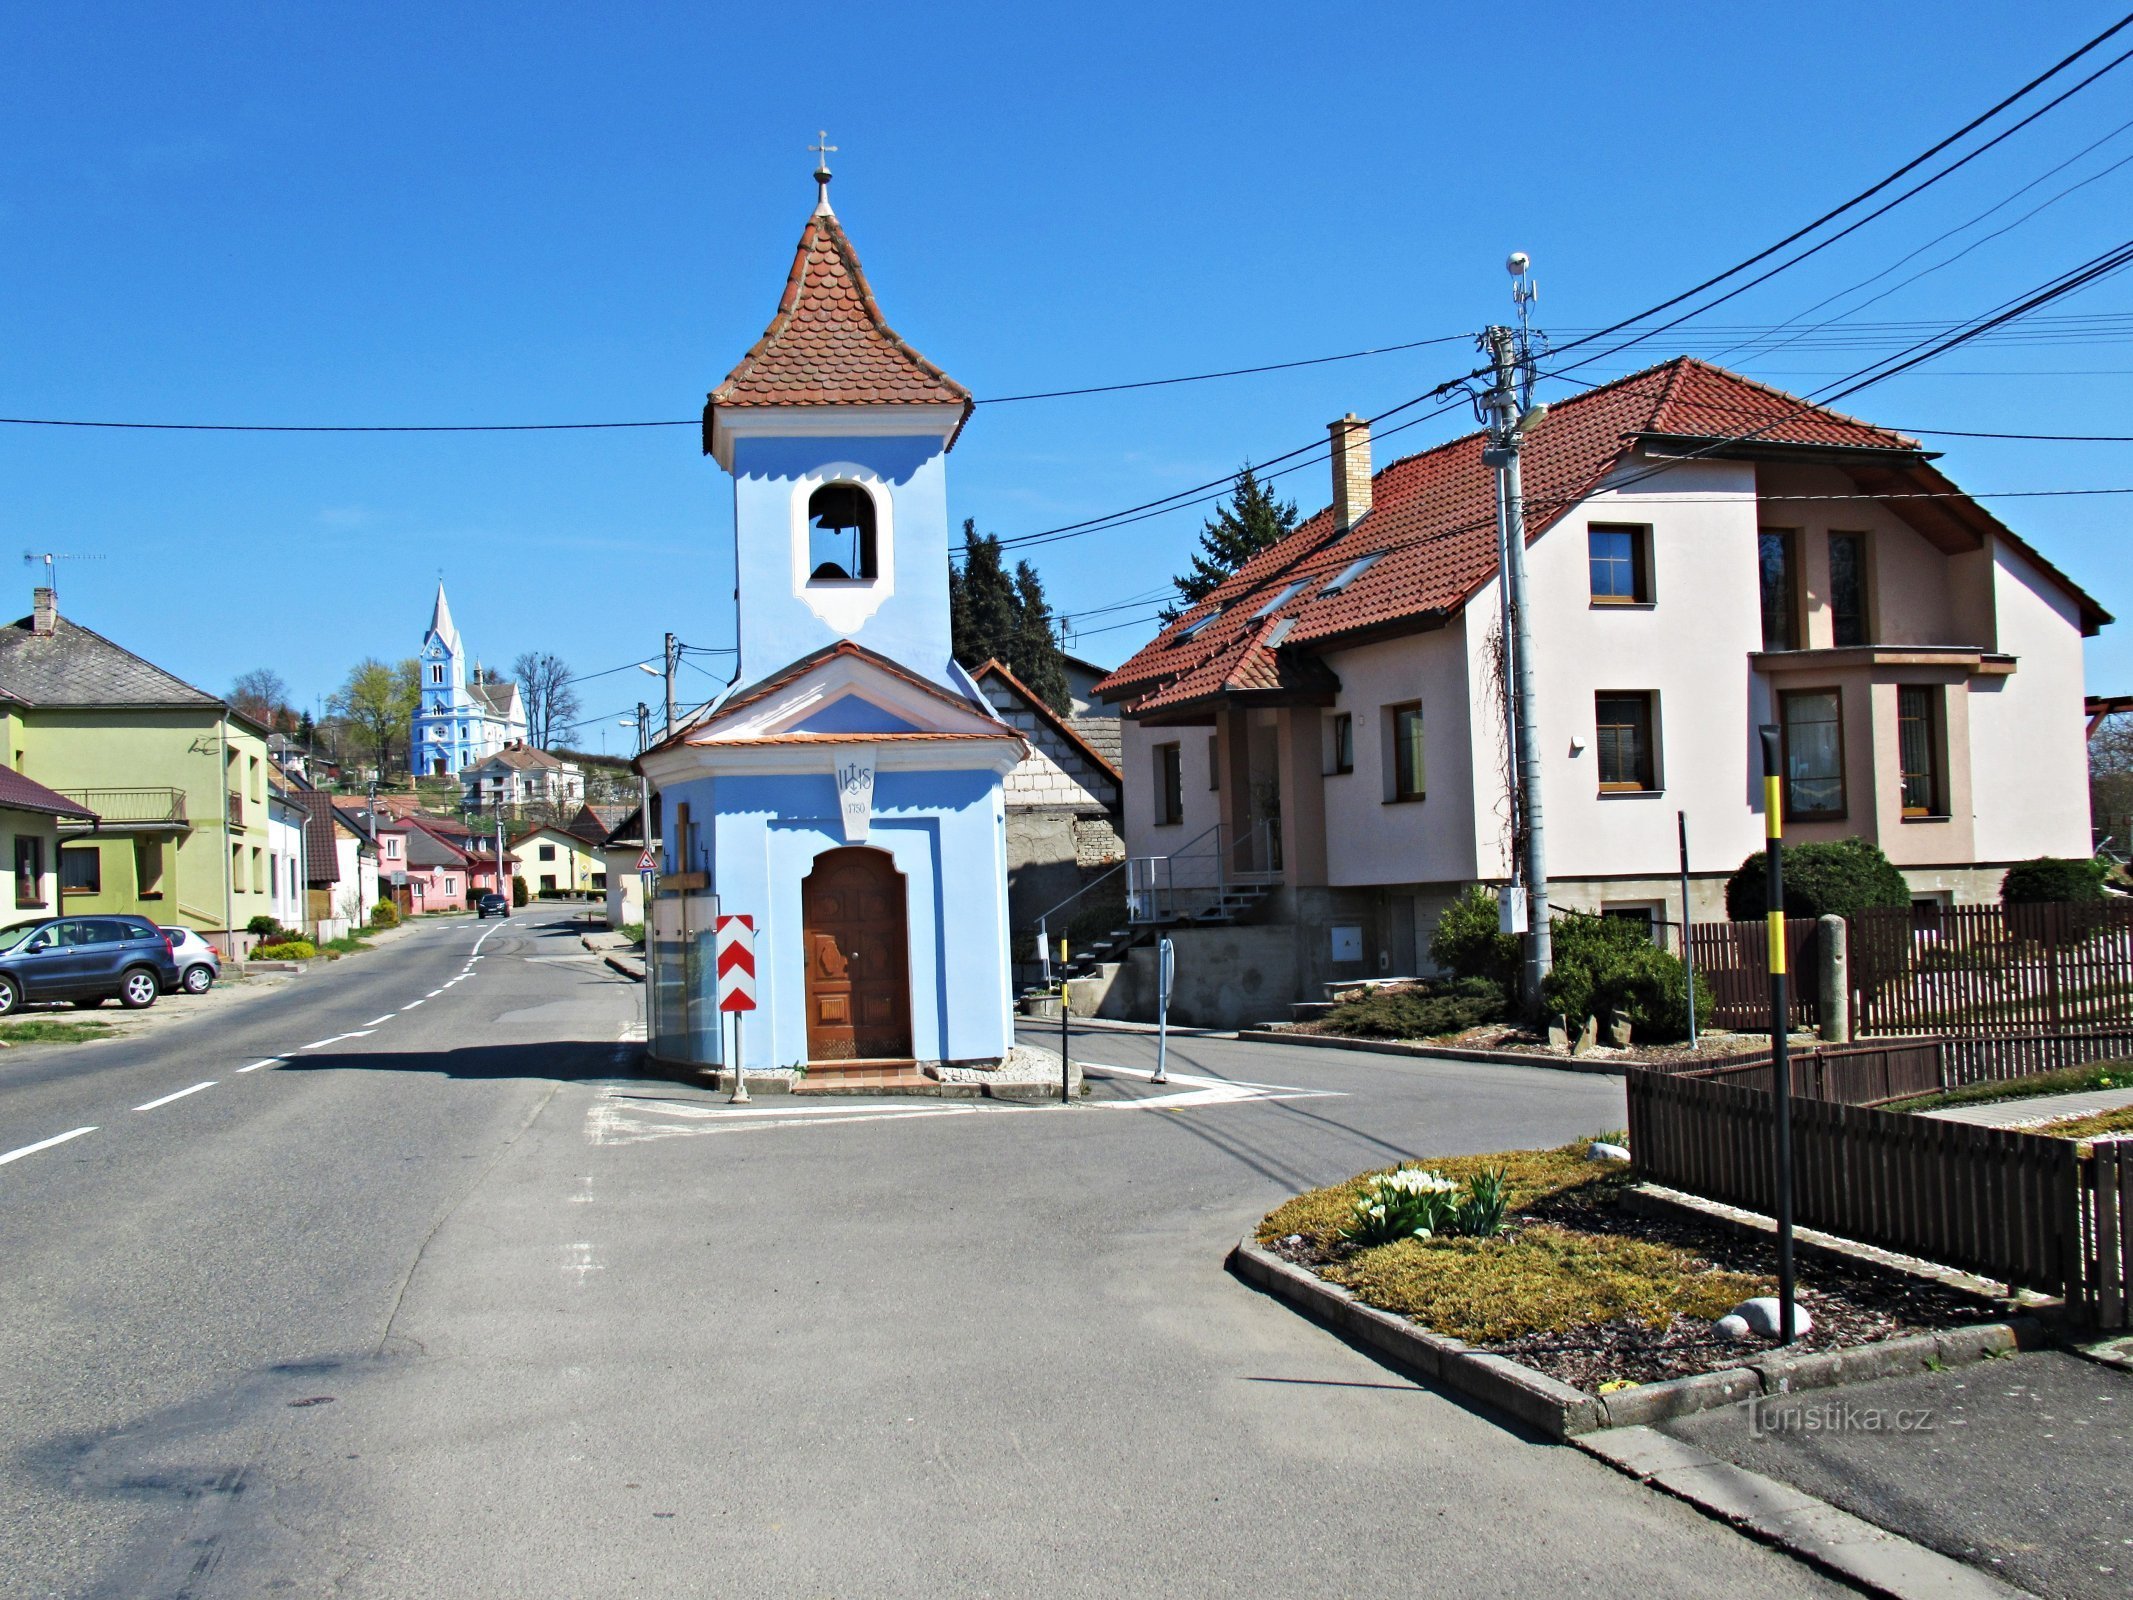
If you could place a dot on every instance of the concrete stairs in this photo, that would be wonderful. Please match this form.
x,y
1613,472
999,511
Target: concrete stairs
x,y
865,1077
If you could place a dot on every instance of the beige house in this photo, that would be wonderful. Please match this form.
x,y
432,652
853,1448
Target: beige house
x,y
519,775
1326,730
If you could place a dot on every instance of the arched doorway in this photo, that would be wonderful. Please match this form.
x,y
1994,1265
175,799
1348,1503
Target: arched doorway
x,y
858,984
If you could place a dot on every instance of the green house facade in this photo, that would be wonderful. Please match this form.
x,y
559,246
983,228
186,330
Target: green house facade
x,y
176,779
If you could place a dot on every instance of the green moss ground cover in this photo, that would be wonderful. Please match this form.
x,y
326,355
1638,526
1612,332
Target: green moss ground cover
x,y
2066,1080
53,1030
2102,1124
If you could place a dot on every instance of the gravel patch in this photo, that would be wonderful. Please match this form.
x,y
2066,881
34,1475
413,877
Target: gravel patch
x,y
1024,1064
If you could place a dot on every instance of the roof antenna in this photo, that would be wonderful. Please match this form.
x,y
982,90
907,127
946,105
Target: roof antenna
x,y
823,150
50,558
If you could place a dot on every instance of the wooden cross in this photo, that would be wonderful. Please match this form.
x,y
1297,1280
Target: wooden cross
x,y
823,150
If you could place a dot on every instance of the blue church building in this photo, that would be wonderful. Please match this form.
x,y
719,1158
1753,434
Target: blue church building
x,y
460,719
847,792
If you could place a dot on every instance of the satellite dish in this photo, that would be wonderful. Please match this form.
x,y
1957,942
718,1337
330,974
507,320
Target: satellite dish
x,y
1518,263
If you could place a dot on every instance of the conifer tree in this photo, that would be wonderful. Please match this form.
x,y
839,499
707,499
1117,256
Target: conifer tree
x,y
1252,520
993,615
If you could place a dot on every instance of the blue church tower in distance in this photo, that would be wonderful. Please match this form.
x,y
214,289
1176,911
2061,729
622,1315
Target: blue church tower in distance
x,y
847,792
458,721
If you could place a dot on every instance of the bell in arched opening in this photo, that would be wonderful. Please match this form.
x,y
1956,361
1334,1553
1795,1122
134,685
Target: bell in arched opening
x,y
840,534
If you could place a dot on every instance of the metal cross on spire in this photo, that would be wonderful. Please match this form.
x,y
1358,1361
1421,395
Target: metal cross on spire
x,y
823,150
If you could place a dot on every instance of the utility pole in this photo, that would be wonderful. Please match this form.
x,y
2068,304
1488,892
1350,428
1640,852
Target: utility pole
x,y
673,659
1511,416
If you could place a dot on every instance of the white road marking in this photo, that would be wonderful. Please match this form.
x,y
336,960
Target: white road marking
x,y
271,1061
180,1095
414,1003
581,1261
434,993
619,1119
44,1144
484,939
375,1021
1202,1091
359,1033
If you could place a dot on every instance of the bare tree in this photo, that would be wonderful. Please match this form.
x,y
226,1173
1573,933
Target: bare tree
x,y
2111,781
545,684
261,695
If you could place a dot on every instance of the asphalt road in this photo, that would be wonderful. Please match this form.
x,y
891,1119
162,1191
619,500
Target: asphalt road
x,y
454,1306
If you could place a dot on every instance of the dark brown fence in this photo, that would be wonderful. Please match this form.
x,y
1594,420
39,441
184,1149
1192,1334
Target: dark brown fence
x,y
1992,969
1735,956
1879,1070
2021,1208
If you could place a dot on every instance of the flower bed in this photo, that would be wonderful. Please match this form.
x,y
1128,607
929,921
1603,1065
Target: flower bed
x,y
1588,1287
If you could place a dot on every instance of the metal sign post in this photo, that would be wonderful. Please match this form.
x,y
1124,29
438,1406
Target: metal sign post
x,y
1688,948
1166,966
734,944
1780,1039
1065,1045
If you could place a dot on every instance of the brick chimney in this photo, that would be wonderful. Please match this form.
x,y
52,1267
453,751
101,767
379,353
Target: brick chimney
x,y
44,612
1351,470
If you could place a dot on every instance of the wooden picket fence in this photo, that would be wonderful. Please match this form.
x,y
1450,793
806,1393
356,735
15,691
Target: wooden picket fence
x,y
2041,1213
1735,956
1879,1070
1992,969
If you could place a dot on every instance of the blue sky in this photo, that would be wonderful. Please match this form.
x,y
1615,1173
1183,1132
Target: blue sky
x,y
546,213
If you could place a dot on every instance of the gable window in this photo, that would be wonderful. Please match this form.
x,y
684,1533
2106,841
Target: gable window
x,y
840,534
1169,786
1778,567
547,852
1405,777
1847,589
81,870
1622,724
1918,742
1813,728
1340,743
1619,557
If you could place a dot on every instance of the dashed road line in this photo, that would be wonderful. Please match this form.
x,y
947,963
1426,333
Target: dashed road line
x,y
320,1044
414,1003
271,1061
434,993
375,1021
44,1144
180,1095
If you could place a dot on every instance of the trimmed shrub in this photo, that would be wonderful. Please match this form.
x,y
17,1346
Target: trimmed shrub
x,y
1605,964
2052,880
263,927
1420,1011
1836,878
1466,943
287,950
385,915
519,896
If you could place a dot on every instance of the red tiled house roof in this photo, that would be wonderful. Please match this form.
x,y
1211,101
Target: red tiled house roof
x,y
829,344
1432,530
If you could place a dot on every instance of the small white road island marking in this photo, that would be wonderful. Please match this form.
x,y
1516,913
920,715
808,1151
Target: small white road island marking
x,y
44,1144
375,1021
271,1061
180,1095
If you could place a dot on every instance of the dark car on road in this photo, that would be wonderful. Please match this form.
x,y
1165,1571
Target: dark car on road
x,y
491,905
87,960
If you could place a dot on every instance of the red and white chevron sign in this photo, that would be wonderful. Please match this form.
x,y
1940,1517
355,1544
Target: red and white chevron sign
x,y
733,940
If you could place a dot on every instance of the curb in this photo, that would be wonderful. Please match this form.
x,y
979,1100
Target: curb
x,y
1434,1052
1797,1523
632,970
1561,1411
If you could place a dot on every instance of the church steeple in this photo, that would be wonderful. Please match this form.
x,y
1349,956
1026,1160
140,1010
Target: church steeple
x,y
441,622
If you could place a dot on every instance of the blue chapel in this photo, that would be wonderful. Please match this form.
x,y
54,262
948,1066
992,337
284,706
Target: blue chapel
x,y
461,718
846,793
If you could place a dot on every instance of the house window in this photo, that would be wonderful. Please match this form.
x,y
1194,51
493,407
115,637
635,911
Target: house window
x,y
547,852
1340,743
258,860
1169,786
548,883
436,674
1280,598
1813,724
599,880
1623,740
81,870
1779,565
1918,742
237,869
1620,560
1403,729
1645,919
274,876
148,868
1847,589
29,871
840,534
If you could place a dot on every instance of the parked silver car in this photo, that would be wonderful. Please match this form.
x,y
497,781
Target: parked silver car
x,y
198,963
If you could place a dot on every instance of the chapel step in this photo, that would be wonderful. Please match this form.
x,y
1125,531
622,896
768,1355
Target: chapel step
x,y
865,1077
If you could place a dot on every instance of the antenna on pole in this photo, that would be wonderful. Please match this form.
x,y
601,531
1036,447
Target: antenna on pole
x,y
1524,291
51,558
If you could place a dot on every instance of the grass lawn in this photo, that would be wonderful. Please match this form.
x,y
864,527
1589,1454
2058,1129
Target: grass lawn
x,y
2101,1124
346,944
2067,1080
53,1030
1538,1277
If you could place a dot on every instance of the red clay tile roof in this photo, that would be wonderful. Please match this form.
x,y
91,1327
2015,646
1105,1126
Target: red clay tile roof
x,y
1433,528
829,345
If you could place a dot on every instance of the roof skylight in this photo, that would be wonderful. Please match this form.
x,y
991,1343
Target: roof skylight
x,y
1282,597
1353,570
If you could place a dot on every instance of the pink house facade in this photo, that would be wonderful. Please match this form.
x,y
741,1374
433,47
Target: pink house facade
x,y
1327,728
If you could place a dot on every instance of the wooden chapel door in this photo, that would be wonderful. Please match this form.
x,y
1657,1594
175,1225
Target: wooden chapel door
x,y
858,984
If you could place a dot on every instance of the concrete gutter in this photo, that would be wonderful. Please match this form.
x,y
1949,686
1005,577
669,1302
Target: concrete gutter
x,y
1562,1411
